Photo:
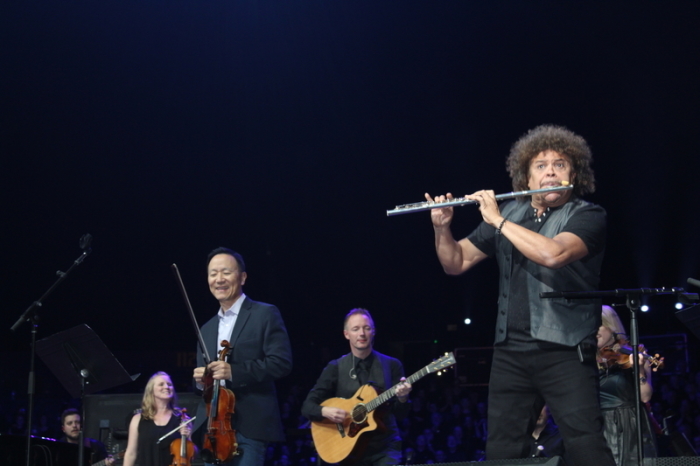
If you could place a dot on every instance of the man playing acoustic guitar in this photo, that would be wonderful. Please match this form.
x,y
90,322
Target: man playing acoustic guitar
x,y
356,378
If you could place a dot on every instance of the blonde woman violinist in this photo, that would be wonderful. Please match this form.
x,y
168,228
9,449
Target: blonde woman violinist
x,y
617,392
157,416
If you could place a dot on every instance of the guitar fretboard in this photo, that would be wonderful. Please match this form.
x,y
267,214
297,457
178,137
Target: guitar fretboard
x,y
388,394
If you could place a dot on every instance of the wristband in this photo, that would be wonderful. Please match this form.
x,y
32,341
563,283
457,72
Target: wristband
x,y
500,227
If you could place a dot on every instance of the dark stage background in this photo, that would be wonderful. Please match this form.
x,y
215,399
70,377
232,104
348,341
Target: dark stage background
x,y
285,130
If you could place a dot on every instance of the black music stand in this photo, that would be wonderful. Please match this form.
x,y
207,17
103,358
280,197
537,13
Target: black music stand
x,y
690,317
83,364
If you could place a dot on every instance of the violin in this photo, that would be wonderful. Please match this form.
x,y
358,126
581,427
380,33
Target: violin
x,y
618,354
182,449
220,445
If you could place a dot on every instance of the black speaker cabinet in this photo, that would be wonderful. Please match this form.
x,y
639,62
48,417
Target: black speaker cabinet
x,y
673,461
558,461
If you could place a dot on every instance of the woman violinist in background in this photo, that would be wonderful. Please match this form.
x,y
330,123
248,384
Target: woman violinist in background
x,y
617,392
157,416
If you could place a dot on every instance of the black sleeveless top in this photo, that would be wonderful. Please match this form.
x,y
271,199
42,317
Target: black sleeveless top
x,y
151,453
616,387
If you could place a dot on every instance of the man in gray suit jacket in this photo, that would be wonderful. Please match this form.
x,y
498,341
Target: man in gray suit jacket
x,y
260,354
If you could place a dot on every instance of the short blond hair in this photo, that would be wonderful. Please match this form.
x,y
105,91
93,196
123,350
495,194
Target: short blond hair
x,y
358,311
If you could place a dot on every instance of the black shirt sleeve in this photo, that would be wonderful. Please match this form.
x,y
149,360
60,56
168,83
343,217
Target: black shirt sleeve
x,y
588,223
483,237
325,388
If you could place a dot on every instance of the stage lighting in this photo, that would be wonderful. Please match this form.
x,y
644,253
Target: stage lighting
x,y
467,321
644,308
679,306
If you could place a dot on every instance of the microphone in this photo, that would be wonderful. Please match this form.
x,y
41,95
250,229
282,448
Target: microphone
x,y
85,241
352,369
540,452
694,282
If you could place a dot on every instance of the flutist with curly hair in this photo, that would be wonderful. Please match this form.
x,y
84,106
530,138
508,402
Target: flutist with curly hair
x,y
544,349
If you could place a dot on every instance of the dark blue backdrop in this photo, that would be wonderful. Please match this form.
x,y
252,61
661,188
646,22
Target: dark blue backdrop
x,y
285,130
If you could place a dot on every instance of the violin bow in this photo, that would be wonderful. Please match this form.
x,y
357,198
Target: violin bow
x,y
202,346
177,428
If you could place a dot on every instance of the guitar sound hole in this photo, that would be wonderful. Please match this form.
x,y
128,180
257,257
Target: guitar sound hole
x,y
359,414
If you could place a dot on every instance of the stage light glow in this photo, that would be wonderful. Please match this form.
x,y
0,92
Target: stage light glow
x,y
679,306
467,321
644,308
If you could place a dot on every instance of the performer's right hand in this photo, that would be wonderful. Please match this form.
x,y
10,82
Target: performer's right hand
x,y
441,217
336,415
198,374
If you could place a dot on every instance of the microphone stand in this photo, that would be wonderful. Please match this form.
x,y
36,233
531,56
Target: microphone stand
x,y
84,374
633,303
31,316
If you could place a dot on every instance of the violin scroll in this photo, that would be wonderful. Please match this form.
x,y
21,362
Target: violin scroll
x,y
655,361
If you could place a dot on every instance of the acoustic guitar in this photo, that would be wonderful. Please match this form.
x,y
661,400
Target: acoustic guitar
x,y
335,442
116,456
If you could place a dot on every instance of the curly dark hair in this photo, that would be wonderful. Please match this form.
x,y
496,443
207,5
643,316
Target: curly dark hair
x,y
556,138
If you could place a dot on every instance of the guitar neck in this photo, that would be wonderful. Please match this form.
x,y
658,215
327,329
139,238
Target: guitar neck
x,y
116,456
389,394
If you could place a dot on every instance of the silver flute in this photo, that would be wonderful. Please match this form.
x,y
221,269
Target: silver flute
x,y
429,205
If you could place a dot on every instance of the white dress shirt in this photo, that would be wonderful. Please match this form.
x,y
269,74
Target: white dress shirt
x,y
227,320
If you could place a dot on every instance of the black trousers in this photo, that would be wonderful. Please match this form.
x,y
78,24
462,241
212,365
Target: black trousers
x,y
523,380
388,456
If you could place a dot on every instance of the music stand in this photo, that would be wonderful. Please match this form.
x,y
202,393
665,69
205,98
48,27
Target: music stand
x,y
691,318
83,364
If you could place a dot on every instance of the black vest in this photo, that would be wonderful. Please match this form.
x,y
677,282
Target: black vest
x,y
379,374
557,320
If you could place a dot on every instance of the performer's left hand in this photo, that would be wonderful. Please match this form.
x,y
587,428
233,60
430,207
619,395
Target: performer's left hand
x,y
488,206
403,389
186,430
220,370
644,363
